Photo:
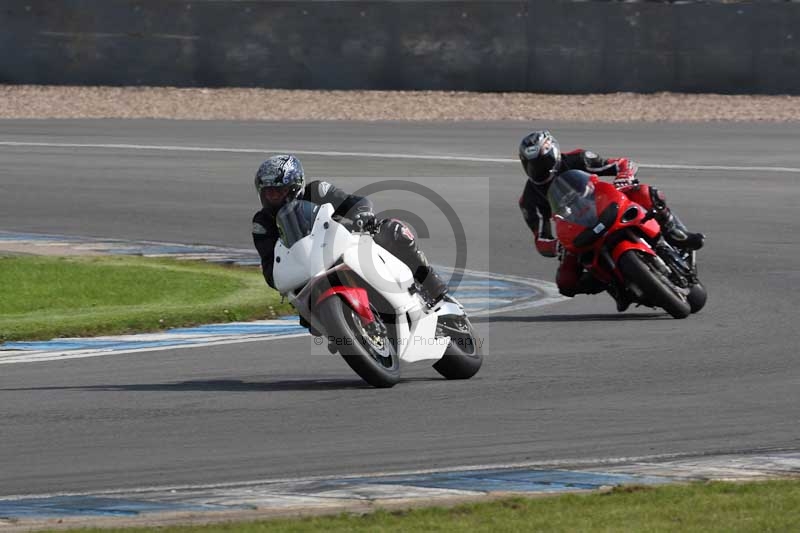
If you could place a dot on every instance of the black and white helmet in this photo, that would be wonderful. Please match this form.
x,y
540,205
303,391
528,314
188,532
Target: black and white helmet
x,y
279,179
540,155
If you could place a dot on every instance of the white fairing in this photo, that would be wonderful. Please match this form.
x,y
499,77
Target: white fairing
x,y
313,254
393,278
382,270
319,252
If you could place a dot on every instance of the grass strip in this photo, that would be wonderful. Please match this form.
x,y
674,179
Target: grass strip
x,y
46,297
697,507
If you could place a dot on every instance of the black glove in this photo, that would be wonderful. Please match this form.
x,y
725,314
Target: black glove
x,y
364,220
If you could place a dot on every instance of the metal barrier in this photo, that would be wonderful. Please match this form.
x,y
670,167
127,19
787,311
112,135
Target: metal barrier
x,y
533,45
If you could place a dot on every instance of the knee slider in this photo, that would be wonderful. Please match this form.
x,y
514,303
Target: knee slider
x,y
567,291
400,233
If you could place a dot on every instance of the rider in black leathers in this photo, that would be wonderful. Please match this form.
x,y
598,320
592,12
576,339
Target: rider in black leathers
x,y
281,179
542,160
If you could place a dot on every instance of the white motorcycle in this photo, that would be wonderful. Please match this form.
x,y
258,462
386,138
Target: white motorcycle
x,y
364,300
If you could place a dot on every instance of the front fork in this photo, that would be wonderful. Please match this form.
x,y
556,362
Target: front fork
x,y
681,264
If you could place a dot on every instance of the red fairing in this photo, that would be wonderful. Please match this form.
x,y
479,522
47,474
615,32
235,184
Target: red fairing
x,y
650,228
606,194
356,298
624,246
567,232
640,194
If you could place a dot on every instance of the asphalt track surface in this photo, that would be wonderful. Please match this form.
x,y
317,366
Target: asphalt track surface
x,y
573,380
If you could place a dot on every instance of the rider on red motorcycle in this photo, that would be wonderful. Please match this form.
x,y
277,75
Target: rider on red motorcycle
x,y
542,160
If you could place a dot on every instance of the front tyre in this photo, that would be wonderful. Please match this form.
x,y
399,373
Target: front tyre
x,y
642,271
463,357
371,356
697,297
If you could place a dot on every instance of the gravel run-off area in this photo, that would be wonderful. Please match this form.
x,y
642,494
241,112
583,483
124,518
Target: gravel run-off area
x,y
45,102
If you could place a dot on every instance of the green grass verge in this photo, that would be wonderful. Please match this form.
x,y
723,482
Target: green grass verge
x,y
46,297
701,507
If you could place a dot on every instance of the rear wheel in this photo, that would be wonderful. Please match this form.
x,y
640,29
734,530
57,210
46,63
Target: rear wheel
x,y
463,357
697,297
642,271
369,351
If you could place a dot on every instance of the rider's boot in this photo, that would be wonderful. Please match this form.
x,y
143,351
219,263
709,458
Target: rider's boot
x,y
433,286
431,283
588,284
672,228
675,231
311,329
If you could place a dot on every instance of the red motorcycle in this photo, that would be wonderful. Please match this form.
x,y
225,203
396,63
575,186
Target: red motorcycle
x,y
620,244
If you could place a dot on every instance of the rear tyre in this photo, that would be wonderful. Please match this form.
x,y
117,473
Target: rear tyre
x,y
657,288
463,357
697,297
372,357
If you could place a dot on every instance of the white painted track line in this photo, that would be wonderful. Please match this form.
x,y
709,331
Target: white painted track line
x,y
167,148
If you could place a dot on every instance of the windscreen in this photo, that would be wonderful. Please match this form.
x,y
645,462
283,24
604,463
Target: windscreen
x,y
571,198
295,221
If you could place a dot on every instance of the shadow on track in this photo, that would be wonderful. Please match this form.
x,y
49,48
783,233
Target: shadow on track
x,y
230,385
571,318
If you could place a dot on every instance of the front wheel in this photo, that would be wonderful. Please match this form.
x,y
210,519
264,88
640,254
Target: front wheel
x,y
371,355
463,357
642,271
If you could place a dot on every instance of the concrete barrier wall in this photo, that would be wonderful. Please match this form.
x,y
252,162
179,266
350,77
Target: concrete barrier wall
x,y
518,45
